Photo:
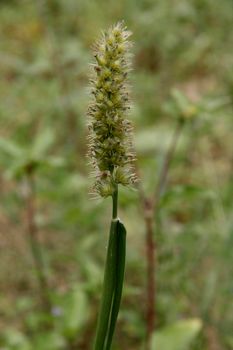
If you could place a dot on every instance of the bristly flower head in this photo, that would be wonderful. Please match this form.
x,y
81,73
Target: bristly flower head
x,y
110,148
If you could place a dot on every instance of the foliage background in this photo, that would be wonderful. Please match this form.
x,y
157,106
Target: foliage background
x,y
44,64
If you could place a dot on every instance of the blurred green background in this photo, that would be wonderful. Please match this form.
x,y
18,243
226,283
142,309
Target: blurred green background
x,y
182,68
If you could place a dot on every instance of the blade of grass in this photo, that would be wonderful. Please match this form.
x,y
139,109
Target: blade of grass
x,y
108,288
120,270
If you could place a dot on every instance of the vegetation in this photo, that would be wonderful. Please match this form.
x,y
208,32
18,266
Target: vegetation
x,y
178,288
111,153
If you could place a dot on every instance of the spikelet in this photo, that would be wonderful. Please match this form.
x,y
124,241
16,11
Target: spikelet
x,y
110,141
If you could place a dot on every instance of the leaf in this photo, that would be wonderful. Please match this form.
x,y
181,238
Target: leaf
x,y
49,341
76,312
16,340
15,169
151,139
180,99
177,336
93,274
43,142
10,148
120,270
54,162
39,68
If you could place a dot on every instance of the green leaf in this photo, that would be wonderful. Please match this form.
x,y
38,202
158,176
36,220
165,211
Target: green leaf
x,y
43,142
15,169
180,99
49,341
177,336
76,312
54,162
108,288
10,148
120,270
150,139
16,340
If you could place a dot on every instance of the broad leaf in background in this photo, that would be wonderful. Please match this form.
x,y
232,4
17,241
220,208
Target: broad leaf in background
x,y
15,340
177,336
42,144
75,312
49,341
181,107
17,158
10,147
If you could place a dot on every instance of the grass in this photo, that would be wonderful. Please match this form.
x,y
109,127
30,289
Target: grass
x,y
44,58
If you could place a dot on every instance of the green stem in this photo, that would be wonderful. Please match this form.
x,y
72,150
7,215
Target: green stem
x,y
36,249
115,202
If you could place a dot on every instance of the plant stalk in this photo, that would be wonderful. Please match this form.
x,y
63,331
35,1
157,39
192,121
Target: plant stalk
x,y
34,244
115,202
151,267
150,207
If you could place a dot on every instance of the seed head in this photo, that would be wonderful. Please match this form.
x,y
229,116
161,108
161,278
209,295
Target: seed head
x,y
110,142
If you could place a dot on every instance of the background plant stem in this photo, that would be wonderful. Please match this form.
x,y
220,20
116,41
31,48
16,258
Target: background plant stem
x,y
34,243
166,164
150,206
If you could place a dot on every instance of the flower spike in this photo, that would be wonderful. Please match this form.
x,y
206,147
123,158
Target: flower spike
x,y
110,147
